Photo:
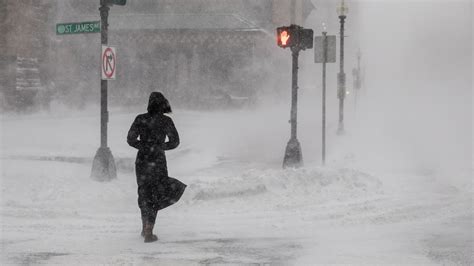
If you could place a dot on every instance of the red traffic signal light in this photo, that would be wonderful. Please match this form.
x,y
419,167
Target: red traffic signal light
x,y
284,37
295,36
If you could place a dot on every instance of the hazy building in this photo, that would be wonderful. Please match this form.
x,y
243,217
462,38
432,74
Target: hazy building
x,y
198,52
25,43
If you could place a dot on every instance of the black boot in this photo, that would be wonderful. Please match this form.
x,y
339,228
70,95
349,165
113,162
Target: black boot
x,y
148,233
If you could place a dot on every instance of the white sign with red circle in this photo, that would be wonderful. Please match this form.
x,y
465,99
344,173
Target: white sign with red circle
x,y
109,62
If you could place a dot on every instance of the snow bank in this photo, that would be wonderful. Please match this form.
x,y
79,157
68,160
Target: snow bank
x,y
288,187
68,186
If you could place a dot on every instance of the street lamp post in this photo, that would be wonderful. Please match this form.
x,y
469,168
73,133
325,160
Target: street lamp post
x,y
341,76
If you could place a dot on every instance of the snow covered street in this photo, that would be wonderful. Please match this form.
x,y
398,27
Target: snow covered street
x,y
236,210
302,132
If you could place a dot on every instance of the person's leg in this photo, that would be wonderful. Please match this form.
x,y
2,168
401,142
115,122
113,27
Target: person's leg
x,y
142,204
154,213
146,208
148,213
140,171
144,219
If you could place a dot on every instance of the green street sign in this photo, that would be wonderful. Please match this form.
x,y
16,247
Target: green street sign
x,y
114,2
78,27
119,2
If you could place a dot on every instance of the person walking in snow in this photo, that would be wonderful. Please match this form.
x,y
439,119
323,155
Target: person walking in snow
x,y
156,190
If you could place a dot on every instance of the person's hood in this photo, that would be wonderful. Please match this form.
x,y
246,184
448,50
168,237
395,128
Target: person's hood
x,y
157,103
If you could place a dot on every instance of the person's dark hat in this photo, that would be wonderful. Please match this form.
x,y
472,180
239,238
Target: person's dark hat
x,y
157,103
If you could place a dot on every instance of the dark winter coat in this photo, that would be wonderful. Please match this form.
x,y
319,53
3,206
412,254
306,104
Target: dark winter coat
x,y
148,132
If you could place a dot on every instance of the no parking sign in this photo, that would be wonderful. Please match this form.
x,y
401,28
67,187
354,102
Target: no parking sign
x,y
109,63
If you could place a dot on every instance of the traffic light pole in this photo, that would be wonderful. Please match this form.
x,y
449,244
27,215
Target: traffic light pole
x,y
296,38
293,155
103,166
294,92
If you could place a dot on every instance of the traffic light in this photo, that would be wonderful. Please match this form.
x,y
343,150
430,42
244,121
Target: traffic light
x,y
284,37
295,36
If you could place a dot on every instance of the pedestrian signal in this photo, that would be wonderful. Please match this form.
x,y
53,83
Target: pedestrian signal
x,y
284,37
295,36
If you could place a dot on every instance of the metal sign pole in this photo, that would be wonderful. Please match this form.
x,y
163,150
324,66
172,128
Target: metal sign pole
x,y
103,166
104,14
324,53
